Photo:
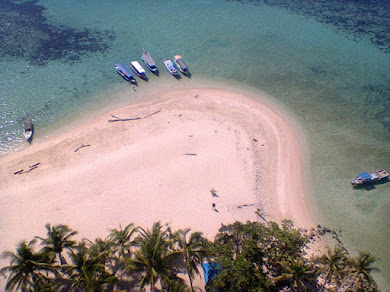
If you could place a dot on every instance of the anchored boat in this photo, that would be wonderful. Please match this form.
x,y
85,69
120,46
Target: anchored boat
x,y
170,67
181,64
149,62
28,129
365,177
125,72
137,68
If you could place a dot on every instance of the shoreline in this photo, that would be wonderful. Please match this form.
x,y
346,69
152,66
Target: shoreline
x,y
159,167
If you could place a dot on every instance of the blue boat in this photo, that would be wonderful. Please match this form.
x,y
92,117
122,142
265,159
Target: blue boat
x,y
365,177
125,73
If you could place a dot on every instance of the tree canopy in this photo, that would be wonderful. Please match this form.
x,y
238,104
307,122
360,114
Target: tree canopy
x,y
249,256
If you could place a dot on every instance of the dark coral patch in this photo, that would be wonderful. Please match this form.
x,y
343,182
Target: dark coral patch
x,y
363,19
24,33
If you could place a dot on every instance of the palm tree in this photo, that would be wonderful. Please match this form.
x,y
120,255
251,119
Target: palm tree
x,y
297,273
87,269
154,256
28,270
332,264
58,239
191,251
123,239
361,268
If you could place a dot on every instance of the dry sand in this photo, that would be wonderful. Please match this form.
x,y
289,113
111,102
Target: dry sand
x,y
139,171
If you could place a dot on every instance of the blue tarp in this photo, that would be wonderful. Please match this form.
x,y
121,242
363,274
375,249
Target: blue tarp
x,y
210,270
364,175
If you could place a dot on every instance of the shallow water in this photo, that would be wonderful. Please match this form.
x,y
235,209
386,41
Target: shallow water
x,y
331,72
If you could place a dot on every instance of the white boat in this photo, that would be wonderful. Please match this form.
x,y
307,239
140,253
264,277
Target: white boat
x,y
170,67
28,129
137,68
149,62
181,64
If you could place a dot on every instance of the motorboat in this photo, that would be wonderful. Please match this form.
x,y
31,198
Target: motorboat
x,y
365,177
180,64
28,129
137,68
125,73
170,67
149,62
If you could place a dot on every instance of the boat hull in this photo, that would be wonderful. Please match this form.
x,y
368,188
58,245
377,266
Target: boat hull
x,y
170,67
181,65
125,73
366,178
149,62
28,129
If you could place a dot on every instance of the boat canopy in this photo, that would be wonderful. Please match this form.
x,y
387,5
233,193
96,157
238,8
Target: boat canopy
x,y
28,124
137,67
124,69
364,175
148,59
181,63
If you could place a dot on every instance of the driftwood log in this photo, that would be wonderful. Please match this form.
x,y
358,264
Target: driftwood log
x,y
122,120
31,167
117,119
82,146
152,114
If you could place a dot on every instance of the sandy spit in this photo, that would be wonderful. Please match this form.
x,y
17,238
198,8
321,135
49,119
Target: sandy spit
x,y
161,166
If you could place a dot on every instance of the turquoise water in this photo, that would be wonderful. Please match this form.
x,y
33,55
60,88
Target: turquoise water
x,y
329,65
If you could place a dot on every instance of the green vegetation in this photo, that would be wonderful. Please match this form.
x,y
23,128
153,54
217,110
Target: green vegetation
x,y
251,257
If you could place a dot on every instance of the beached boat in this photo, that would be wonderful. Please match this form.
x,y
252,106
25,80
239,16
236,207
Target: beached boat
x,y
137,68
180,64
365,177
125,73
28,129
170,67
149,62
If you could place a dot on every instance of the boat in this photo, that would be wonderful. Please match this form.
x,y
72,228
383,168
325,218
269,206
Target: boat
x,y
180,64
137,68
149,62
170,67
28,129
125,73
365,177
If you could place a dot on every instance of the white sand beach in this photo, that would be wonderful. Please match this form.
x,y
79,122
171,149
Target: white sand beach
x,y
159,167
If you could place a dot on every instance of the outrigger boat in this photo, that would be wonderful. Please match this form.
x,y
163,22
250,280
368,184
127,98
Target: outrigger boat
x,y
180,64
125,73
365,177
28,129
149,62
137,68
170,67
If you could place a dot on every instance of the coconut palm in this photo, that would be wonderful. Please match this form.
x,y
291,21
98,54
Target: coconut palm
x,y
154,256
332,265
28,270
361,268
297,273
191,251
87,270
58,239
123,239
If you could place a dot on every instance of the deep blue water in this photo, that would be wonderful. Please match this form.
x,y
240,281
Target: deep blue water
x,y
328,62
